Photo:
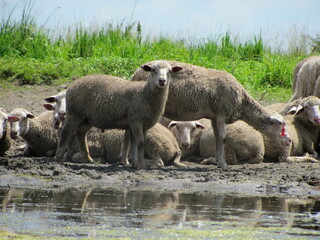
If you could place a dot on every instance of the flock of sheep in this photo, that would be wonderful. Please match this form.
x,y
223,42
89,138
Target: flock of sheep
x,y
171,111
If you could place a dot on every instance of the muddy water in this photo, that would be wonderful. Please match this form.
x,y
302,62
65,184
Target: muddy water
x,y
101,213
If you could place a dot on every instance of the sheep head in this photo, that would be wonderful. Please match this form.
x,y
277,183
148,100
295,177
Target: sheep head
x,y
310,107
19,120
160,72
3,121
184,132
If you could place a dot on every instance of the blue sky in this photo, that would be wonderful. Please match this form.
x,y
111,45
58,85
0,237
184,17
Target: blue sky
x,y
277,20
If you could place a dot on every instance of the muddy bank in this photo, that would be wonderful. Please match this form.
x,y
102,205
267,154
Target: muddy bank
x,y
301,179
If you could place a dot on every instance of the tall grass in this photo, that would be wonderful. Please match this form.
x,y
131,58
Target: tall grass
x,y
30,56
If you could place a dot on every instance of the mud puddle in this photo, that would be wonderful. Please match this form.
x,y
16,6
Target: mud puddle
x,y
140,214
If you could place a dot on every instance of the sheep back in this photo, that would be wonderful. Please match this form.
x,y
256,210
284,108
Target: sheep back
x,y
111,102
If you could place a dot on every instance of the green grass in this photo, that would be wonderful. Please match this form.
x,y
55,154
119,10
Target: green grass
x,y
30,55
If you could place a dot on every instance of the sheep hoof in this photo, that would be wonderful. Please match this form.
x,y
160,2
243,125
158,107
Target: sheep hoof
x,y
59,160
223,166
208,161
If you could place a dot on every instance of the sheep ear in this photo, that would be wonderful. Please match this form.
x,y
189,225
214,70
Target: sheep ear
x,y
48,106
30,115
293,110
13,119
146,68
176,69
299,109
172,124
51,99
199,125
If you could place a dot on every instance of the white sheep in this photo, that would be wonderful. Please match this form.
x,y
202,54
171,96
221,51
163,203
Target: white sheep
x,y
307,82
5,140
109,102
189,135
196,92
160,144
40,136
303,130
59,107
243,143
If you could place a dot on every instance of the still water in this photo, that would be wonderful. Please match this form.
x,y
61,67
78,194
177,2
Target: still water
x,y
110,213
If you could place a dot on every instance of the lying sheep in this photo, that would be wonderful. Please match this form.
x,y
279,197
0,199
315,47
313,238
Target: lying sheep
x,y
308,79
106,102
243,143
196,92
38,132
303,129
5,140
189,135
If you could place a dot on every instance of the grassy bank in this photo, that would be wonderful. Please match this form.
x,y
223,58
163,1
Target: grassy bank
x,y
29,54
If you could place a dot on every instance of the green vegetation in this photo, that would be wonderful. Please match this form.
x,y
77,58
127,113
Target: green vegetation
x,y
29,54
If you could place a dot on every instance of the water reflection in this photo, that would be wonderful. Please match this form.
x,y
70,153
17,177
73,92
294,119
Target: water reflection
x,y
53,212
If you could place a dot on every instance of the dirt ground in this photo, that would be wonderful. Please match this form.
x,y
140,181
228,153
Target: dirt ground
x,y
300,179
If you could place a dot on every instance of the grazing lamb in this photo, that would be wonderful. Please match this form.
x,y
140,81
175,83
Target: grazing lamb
x,y
196,92
303,129
5,140
307,82
40,136
107,102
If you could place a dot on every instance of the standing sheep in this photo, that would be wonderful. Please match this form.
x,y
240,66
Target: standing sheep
x,y
196,92
107,102
307,82
40,136
5,140
160,144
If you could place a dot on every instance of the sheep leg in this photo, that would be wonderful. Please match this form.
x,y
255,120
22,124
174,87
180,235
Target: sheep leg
x,y
138,134
125,148
83,145
68,130
219,128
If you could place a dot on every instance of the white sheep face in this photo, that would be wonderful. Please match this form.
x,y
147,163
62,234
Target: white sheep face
x,y
310,107
3,122
160,73
184,132
55,116
19,120
60,105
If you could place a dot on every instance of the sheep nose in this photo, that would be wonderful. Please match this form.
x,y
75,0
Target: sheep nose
x,y
317,120
185,145
62,115
14,135
162,82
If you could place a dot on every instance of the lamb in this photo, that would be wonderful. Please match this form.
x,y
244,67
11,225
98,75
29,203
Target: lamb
x,y
307,82
243,142
196,92
103,101
5,140
38,132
